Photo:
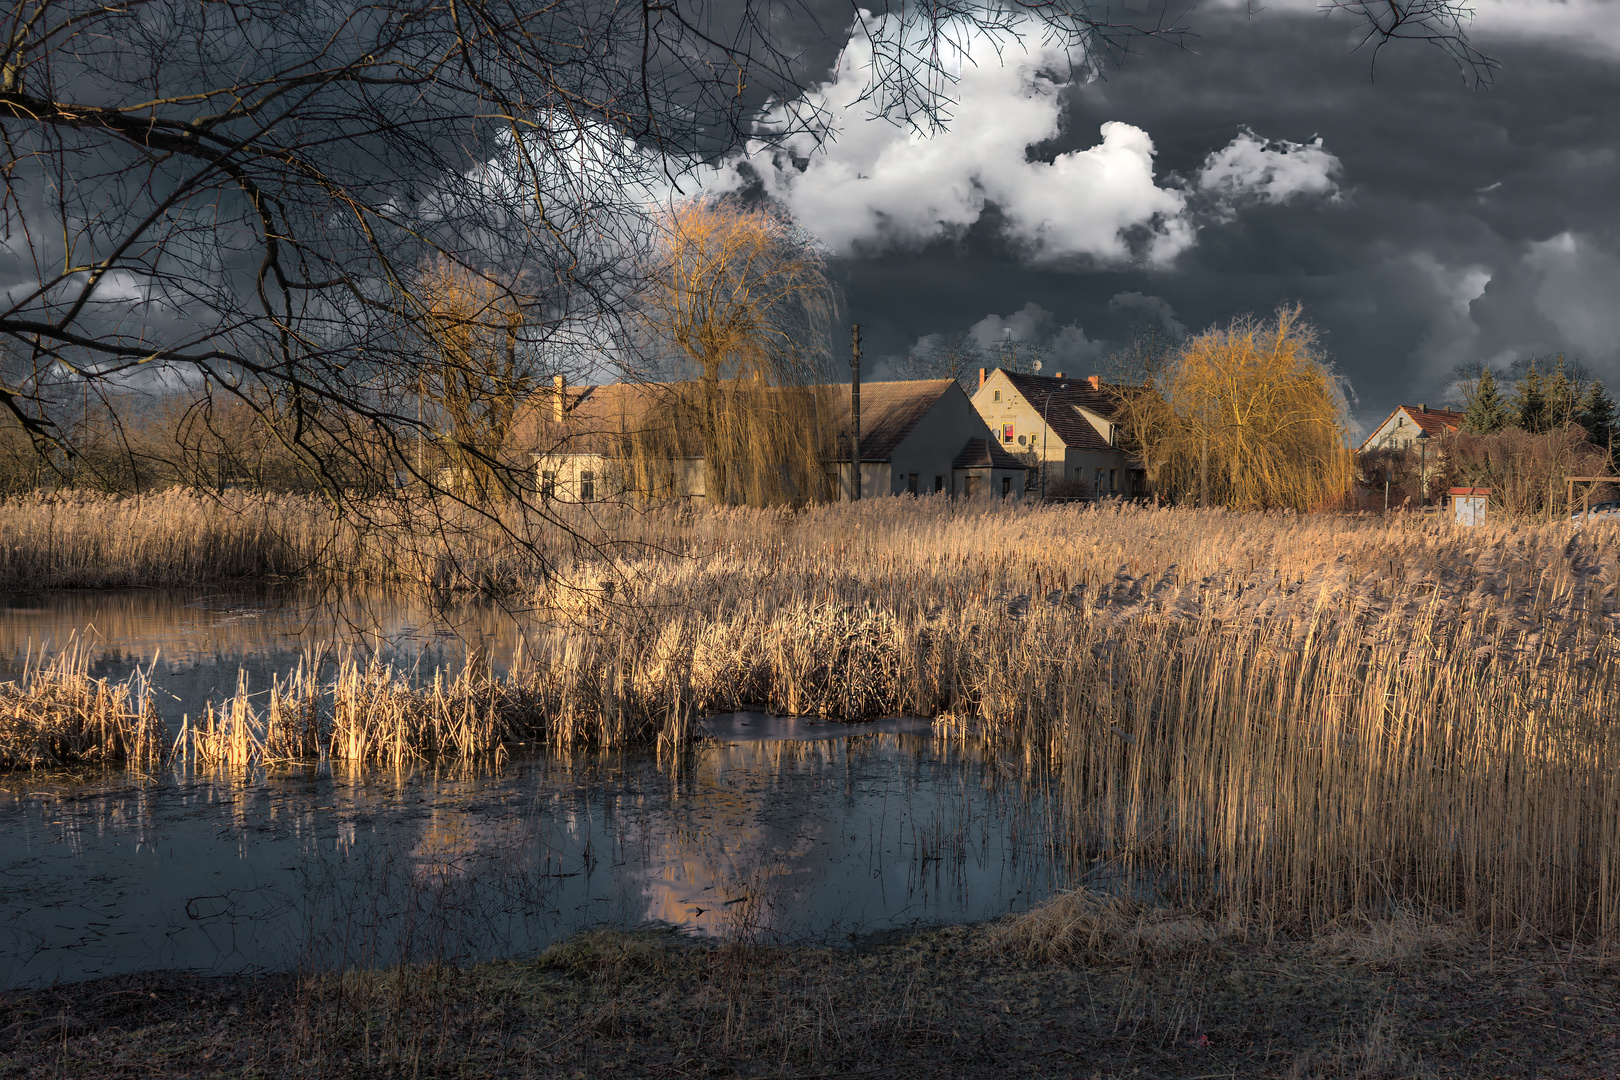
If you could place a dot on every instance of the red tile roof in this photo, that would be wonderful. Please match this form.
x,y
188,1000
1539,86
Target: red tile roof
x,y
1436,422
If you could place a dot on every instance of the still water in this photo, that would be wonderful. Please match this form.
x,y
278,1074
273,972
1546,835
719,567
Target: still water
x,y
772,829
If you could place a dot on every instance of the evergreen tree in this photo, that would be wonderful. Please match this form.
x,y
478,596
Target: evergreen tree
x,y
1485,411
1530,401
1562,403
1598,417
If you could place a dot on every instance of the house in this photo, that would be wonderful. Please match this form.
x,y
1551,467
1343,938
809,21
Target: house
x,y
1400,430
921,437
1071,428
916,438
580,441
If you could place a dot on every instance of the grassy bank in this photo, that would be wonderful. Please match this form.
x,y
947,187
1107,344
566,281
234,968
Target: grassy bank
x,y
1115,992
1276,720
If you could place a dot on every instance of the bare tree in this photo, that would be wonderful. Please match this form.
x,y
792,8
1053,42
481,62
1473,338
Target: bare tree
x,y
945,356
238,194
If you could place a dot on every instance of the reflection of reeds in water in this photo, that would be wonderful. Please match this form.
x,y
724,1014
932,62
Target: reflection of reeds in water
x,y
58,715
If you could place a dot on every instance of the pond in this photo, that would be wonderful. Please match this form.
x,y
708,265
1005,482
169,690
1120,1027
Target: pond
x,y
767,828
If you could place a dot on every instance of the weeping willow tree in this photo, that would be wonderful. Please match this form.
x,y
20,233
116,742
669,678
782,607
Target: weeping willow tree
x,y
1248,416
741,309
475,374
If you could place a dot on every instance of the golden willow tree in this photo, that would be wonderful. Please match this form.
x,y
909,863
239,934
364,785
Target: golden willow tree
x,y
741,310
1246,416
473,376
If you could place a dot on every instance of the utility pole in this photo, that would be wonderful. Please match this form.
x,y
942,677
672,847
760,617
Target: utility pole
x,y
855,412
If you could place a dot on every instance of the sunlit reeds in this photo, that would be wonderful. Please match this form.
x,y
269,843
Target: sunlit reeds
x,y
58,715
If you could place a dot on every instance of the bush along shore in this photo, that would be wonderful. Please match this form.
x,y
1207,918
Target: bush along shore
x,y
1081,986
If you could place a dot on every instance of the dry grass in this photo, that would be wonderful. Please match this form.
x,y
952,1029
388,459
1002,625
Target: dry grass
x,y
954,1002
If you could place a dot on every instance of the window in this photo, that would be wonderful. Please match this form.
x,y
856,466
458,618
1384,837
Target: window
x,y
911,484
1006,433
997,397
587,486
1006,486
548,484
939,484
1113,479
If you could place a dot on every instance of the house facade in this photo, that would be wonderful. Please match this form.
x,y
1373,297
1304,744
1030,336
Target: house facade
x,y
1400,429
1070,428
921,437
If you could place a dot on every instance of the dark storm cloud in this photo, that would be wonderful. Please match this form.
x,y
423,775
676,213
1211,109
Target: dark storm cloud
x,y
1469,225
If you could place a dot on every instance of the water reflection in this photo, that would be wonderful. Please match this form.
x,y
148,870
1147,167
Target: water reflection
x,y
785,838
200,639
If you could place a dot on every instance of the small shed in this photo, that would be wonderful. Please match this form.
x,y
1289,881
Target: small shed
x,y
1469,504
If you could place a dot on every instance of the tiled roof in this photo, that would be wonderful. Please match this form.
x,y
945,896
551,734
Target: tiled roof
x,y
595,420
985,454
1436,422
889,410
1060,401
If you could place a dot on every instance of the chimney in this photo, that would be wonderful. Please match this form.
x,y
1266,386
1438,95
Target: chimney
x,y
1095,381
1423,408
1059,375
981,378
560,405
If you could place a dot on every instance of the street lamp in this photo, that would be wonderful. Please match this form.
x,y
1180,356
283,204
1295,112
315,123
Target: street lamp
x,y
1423,466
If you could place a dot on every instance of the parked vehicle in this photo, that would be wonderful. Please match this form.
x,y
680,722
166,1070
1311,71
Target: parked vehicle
x,y
1603,511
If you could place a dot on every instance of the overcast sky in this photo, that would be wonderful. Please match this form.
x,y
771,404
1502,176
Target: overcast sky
x,y
1421,223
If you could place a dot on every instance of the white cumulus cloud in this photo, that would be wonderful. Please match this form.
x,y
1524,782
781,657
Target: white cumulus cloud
x,y
1252,169
879,183
875,183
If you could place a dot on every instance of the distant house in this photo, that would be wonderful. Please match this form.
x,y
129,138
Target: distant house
x,y
1400,430
916,438
1069,427
579,441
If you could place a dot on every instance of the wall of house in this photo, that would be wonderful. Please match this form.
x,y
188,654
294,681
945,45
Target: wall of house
x,y
985,483
684,479
1059,458
1394,435
875,480
931,446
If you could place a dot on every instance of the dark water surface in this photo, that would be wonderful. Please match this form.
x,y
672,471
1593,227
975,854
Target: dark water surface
x,y
775,829
797,839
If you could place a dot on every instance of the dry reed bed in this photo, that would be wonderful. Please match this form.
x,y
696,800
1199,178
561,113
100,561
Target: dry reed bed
x,y
1267,719
58,715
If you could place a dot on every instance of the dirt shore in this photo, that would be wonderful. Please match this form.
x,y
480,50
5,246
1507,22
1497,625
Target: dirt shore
x,y
1170,999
